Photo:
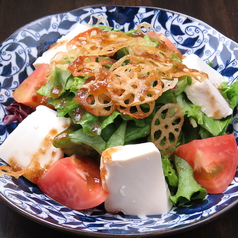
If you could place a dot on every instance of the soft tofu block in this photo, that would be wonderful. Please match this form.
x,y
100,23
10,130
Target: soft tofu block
x,y
195,62
30,144
208,97
133,176
206,94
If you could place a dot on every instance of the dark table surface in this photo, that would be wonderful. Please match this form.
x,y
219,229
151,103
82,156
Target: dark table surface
x,y
220,14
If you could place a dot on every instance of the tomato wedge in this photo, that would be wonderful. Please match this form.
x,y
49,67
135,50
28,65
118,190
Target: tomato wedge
x,y
26,92
214,161
74,182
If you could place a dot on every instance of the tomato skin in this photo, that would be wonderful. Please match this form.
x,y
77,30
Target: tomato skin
x,y
74,182
26,91
214,161
167,41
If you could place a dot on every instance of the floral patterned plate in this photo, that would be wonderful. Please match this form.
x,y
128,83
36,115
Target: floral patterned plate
x,y
18,53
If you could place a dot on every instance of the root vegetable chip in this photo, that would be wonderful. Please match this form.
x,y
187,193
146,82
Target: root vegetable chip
x,y
166,126
88,65
97,42
168,84
138,111
135,83
93,95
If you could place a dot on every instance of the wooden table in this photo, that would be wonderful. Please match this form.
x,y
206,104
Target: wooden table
x,y
220,14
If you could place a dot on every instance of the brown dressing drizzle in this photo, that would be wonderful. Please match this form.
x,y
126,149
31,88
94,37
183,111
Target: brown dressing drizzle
x,y
34,170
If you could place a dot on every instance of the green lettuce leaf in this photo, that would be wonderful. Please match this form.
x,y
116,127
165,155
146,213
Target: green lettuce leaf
x,y
64,104
188,188
118,137
170,174
96,142
198,118
60,81
56,85
71,146
230,93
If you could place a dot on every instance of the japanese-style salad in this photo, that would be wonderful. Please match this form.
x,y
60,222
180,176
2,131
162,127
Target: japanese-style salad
x,y
122,120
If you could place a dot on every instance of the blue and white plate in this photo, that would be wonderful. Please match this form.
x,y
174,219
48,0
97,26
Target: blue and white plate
x,y
21,49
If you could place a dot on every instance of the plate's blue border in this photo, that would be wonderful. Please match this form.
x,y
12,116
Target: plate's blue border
x,y
17,57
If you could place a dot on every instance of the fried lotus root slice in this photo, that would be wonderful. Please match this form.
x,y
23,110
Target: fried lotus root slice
x,y
98,42
111,42
146,27
85,41
166,127
138,111
63,59
98,105
135,83
169,84
93,95
88,65
6,169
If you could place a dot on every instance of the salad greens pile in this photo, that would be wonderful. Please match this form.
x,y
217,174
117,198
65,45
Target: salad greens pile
x,y
90,135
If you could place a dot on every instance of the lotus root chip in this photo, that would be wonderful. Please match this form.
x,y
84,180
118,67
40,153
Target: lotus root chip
x,y
138,111
94,97
166,127
95,41
135,83
88,65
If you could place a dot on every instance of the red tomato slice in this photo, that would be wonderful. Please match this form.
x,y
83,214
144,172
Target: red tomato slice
x,y
167,42
74,182
26,92
214,161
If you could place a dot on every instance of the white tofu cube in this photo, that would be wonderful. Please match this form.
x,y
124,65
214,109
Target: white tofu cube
x,y
205,94
133,176
30,144
195,62
208,97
